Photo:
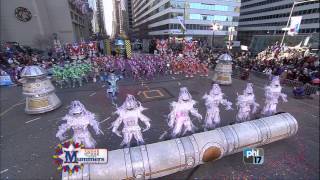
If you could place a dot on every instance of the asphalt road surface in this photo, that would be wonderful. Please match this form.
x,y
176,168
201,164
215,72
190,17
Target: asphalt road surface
x,y
28,141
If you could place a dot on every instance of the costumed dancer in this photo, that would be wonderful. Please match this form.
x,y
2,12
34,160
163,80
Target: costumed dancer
x,y
78,119
113,88
129,114
213,100
272,94
179,116
244,103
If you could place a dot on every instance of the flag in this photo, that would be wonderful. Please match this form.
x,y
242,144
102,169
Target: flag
x,y
294,25
181,21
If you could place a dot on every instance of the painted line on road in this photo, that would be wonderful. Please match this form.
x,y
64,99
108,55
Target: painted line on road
x,y
33,120
93,94
173,77
105,119
103,85
3,171
179,84
10,108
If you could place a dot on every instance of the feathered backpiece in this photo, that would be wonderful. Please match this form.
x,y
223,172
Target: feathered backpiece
x,y
130,103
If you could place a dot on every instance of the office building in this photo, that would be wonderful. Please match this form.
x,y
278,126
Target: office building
x,y
34,22
268,17
159,18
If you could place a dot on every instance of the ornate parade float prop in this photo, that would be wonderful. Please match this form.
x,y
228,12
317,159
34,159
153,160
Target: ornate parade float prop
x,y
5,79
223,70
39,91
168,157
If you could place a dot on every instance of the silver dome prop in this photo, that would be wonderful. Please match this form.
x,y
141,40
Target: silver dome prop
x,y
226,58
223,70
168,157
39,91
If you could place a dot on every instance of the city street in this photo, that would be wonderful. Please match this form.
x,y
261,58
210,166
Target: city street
x,y
28,141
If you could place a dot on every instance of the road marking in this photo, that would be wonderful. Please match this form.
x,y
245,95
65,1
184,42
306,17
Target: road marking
x,y
179,83
173,77
93,94
105,119
33,120
3,171
103,85
10,108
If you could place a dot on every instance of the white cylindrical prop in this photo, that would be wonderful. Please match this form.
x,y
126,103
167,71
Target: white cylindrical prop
x,y
168,157
223,70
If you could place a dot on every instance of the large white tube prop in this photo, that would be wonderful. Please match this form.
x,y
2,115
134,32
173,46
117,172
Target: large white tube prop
x,y
168,157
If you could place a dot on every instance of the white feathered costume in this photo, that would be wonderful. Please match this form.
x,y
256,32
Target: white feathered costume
x,y
179,116
129,114
212,101
78,119
272,94
244,103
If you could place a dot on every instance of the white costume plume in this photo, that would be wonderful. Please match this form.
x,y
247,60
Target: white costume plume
x,y
179,116
212,101
244,103
78,119
129,114
272,94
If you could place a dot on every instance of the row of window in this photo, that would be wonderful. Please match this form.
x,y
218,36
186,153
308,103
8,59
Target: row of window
x,y
188,26
76,18
211,7
285,6
181,4
307,30
211,17
308,11
260,3
283,23
161,8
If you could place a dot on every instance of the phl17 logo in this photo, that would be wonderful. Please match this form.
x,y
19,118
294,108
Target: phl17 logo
x,y
253,156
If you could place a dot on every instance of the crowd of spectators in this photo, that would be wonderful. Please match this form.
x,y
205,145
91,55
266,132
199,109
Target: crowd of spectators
x,y
294,65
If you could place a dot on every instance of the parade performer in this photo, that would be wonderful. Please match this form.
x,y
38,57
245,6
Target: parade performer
x,y
129,114
244,103
78,119
162,46
113,88
92,48
179,116
272,94
75,51
212,101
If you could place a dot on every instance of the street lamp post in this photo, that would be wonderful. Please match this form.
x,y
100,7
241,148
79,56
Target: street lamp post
x,y
215,27
287,26
230,31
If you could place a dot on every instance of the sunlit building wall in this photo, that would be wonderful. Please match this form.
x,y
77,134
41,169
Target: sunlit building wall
x,y
268,17
159,18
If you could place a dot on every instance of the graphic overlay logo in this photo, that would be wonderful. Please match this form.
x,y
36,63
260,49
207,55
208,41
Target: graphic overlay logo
x,y
71,156
253,156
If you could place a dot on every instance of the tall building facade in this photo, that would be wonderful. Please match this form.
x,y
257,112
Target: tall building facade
x,y
159,18
268,17
100,17
34,22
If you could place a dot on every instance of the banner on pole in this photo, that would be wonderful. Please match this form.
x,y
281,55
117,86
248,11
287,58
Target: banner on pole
x,y
181,21
294,25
